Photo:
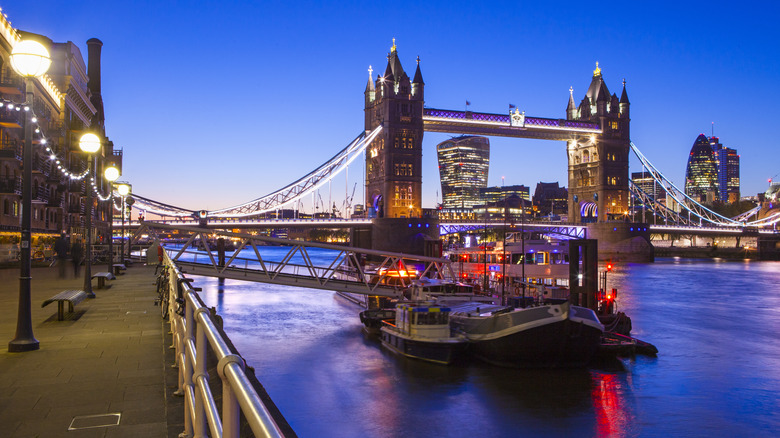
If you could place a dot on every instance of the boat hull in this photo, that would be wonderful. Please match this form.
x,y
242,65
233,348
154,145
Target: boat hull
x,y
441,351
557,336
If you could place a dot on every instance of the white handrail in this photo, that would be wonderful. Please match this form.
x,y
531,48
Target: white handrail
x,y
193,333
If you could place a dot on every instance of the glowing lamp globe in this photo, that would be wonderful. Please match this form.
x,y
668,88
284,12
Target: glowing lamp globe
x,y
123,189
111,173
30,59
89,143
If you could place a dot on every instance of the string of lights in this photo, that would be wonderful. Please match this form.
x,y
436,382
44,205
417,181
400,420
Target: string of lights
x,y
41,137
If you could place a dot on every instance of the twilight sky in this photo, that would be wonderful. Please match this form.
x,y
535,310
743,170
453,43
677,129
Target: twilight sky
x,y
216,103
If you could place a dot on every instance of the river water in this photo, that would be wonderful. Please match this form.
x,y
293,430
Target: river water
x,y
714,322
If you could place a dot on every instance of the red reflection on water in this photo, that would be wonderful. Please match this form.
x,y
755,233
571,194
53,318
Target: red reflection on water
x,y
613,414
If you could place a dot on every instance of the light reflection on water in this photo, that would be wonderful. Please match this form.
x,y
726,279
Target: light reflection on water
x,y
714,323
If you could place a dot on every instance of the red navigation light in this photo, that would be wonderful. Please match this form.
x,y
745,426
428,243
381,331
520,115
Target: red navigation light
x,y
609,267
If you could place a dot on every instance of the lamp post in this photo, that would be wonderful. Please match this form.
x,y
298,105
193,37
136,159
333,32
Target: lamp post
x,y
30,60
123,190
129,201
111,174
89,143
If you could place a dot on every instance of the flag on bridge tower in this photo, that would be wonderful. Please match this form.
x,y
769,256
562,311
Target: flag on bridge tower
x,y
511,105
468,103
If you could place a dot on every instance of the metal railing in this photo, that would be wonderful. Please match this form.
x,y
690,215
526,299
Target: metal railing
x,y
193,332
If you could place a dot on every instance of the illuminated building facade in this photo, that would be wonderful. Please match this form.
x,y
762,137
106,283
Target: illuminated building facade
x,y
495,195
463,169
701,174
67,104
727,163
645,182
394,157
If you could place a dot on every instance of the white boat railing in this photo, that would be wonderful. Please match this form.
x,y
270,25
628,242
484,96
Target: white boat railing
x,y
193,332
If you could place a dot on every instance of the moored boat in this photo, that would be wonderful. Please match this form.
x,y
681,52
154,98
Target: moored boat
x,y
422,331
547,335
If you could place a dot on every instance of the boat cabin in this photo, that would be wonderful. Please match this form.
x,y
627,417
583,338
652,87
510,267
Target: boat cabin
x,y
430,289
423,320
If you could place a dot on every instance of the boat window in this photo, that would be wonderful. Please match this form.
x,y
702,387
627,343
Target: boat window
x,y
431,318
516,259
541,258
530,258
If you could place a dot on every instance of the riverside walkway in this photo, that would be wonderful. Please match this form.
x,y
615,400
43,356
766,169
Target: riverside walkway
x,y
108,357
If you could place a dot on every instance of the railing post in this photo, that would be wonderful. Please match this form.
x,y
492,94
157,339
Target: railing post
x,y
231,411
189,326
200,371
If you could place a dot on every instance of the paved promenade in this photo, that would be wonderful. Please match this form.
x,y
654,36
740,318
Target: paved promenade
x,y
108,357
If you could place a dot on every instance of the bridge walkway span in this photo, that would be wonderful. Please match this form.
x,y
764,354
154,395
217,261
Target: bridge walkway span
x,y
341,269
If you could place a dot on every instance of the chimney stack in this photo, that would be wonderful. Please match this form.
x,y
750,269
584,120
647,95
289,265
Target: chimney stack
x,y
94,47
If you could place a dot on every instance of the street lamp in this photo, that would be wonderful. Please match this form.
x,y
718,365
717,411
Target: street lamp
x,y
89,143
111,174
30,60
129,201
123,190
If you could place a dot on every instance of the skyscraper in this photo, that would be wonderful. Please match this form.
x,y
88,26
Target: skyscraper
x,y
701,174
463,169
727,162
644,180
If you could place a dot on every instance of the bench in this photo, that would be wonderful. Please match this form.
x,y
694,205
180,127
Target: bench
x,y
118,268
72,297
102,277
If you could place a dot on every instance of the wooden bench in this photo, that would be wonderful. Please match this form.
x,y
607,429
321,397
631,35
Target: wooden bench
x,y
118,268
72,297
102,277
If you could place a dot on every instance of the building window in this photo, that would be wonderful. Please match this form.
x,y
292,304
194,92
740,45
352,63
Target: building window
x,y
614,125
402,169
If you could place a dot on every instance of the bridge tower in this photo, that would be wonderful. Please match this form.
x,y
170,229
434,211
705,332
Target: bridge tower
x,y
394,158
598,163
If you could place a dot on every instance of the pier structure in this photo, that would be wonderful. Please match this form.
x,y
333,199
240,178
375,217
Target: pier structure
x,y
106,369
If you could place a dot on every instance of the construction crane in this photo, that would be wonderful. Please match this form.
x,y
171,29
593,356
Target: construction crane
x,y
348,201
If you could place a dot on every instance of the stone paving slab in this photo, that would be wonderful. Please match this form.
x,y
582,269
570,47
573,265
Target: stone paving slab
x,y
107,357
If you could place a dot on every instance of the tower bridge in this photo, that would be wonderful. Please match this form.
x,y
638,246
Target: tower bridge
x,y
596,133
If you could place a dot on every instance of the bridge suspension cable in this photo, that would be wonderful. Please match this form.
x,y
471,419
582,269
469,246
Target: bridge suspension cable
x,y
305,185
159,208
697,213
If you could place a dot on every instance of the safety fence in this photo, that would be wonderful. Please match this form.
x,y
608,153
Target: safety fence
x,y
194,331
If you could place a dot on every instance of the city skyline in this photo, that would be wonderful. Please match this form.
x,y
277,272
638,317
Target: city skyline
x,y
274,91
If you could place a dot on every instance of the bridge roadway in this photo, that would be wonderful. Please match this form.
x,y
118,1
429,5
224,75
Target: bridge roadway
x,y
563,229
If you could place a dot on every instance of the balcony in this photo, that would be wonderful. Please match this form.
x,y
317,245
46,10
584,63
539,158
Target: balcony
x,y
11,149
57,200
11,118
40,194
41,165
10,82
11,185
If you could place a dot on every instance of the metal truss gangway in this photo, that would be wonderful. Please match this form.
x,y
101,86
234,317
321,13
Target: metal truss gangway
x,y
340,269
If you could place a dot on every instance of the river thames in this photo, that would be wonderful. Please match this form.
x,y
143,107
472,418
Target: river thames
x,y
717,373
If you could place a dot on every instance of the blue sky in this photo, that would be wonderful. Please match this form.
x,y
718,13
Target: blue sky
x,y
218,103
